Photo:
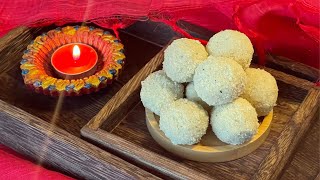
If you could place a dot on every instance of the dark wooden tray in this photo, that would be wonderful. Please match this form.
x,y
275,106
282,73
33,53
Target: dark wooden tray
x,y
26,123
35,125
120,127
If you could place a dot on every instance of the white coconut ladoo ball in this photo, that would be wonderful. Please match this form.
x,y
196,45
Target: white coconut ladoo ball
x,y
219,80
182,57
234,123
232,44
192,95
184,122
261,90
158,90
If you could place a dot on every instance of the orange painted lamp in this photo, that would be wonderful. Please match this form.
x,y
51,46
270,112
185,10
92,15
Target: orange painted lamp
x,y
73,60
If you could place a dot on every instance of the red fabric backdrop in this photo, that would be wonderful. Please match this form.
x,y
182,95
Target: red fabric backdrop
x,y
15,167
288,28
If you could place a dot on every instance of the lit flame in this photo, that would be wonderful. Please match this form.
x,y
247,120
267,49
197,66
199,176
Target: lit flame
x,y
76,52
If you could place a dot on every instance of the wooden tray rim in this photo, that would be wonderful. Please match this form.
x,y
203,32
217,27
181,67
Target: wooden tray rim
x,y
42,132
271,165
96,130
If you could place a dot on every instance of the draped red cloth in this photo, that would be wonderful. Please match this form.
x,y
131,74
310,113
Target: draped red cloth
x,y
287,28
14,167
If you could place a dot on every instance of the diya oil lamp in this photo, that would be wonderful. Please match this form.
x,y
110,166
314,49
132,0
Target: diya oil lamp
x,y
73,60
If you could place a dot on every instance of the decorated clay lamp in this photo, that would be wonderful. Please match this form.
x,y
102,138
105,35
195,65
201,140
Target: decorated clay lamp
x,y
72,53
74,61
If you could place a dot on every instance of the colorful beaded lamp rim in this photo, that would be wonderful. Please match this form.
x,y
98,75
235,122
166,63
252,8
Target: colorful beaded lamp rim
x,y
38,52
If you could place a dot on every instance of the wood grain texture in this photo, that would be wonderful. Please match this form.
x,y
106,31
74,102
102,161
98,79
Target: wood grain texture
x,y
134,129
76,111
74,114
305,164
280,152
131,135
142,157
11,35
159,34
11,47
123,96
281,64
62,150
295,68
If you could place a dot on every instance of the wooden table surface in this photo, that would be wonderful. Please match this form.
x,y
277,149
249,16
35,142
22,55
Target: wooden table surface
x,y
305,162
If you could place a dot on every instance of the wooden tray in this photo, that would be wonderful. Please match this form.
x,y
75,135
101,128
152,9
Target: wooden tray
x,y
122,130
27,125
47,129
